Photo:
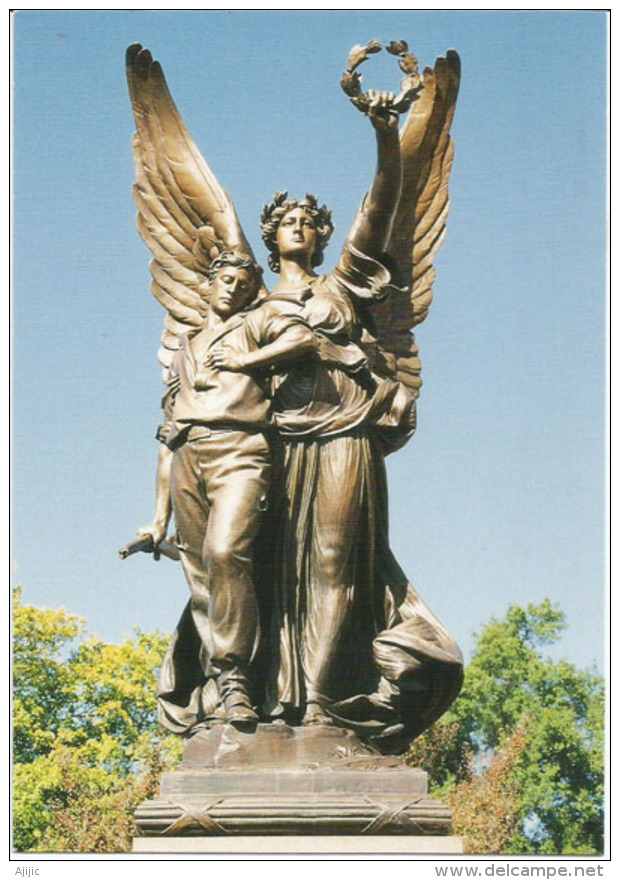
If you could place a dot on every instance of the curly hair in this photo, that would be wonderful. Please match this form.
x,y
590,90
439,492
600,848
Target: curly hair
x,y
273,215
236,260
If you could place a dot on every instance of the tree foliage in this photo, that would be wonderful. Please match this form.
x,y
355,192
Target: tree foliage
x,y
86,744
486,805
40,678
521,752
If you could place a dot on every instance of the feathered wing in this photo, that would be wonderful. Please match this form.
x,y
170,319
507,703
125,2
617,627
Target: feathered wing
x,y
184,216
420,221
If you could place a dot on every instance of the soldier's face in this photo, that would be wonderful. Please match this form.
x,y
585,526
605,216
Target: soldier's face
x,y
231,290
296,233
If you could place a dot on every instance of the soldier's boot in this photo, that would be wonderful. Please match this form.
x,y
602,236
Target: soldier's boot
x,y
233,686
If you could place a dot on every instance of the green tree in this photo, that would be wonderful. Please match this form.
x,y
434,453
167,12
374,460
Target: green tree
x,y
41,685
514,695
486,806
87,747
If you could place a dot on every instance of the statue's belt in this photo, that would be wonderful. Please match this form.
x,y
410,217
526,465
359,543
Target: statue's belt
x,y
203,432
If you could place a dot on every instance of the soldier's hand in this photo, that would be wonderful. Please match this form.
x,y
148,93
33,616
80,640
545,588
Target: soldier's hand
x,y
156,531
226,358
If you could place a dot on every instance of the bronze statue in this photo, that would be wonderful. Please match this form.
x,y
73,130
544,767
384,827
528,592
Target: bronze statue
x,y
214,470
313,622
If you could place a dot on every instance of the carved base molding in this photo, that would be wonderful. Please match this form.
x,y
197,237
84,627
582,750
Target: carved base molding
x,y
305,813
282,780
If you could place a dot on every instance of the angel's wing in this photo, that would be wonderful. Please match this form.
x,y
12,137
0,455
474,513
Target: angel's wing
x,y
184,215
420,221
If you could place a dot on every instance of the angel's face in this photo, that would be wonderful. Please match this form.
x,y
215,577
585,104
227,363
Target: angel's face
x,y
231,290
296,233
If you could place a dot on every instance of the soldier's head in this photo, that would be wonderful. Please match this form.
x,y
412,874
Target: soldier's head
x,y
234,281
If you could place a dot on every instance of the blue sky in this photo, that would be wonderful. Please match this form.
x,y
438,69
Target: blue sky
x,y
500,496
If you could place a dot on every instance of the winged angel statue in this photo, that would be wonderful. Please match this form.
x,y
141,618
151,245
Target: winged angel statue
x,y
279,409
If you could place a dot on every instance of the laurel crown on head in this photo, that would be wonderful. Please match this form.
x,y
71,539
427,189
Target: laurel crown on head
x,y
274,213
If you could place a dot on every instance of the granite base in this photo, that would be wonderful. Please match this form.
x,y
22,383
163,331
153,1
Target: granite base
x,y
290,781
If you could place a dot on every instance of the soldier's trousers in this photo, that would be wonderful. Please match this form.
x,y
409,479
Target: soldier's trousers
x,y
219,486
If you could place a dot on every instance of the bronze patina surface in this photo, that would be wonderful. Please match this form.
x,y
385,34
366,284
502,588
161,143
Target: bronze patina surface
x,y
279,409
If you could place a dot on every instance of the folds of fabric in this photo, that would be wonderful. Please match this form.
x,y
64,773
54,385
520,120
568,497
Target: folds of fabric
x,y
352,634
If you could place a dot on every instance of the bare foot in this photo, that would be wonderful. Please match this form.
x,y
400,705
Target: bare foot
x,y
315,715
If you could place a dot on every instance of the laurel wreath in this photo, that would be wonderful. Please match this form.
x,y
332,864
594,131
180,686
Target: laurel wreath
x,y
410,87
281,199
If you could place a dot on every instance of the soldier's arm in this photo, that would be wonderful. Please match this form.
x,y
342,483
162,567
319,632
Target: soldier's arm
x,y
163,504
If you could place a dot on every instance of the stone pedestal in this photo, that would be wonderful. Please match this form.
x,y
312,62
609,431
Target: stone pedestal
x,y
288,781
